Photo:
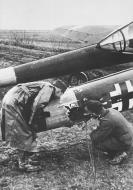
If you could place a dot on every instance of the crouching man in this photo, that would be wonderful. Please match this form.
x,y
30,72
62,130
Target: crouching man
x,y
19,108
114,135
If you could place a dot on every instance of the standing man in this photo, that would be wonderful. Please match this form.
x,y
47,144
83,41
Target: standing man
x,y
19,108
114,134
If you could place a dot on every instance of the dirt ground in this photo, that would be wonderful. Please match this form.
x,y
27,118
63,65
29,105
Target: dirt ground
x,y
67,159
68,163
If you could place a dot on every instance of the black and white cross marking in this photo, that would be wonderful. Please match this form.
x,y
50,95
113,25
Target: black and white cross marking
x,y
122,96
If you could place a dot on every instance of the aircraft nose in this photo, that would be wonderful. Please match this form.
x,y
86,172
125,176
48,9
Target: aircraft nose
x,y
69,98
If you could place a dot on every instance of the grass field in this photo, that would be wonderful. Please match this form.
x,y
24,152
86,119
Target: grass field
x,y
66,160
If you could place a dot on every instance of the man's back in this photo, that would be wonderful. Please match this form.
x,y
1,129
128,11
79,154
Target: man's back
x,y
113,124
116,119
122,129
114,135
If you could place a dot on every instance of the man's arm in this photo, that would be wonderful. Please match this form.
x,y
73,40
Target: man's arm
x,y
102,132
42,99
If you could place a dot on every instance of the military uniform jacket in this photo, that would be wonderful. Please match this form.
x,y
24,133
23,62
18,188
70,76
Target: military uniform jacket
x,y
113,124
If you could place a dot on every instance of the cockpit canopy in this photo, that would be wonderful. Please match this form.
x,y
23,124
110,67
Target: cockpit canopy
x,y
120,40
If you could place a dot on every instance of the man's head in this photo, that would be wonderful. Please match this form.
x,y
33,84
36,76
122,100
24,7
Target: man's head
x,y
60,87
95,106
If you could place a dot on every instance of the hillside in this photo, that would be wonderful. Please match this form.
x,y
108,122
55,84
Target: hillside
x,y
88,34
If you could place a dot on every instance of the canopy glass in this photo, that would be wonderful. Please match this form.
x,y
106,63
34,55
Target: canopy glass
x,y
120,40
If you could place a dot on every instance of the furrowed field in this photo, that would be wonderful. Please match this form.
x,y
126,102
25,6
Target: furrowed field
x,y
68,162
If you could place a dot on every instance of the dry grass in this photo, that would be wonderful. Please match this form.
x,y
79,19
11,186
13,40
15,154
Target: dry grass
x,y
66,165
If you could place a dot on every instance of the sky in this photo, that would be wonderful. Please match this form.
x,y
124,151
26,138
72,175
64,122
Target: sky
x,y
49,14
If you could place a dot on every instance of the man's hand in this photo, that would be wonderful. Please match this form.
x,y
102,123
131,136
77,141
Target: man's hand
x,y
75,114
35,107
91,125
